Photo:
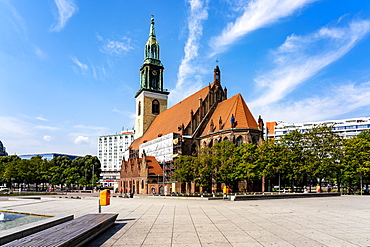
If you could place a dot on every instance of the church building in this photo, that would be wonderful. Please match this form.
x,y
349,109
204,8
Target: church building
x,y
201,120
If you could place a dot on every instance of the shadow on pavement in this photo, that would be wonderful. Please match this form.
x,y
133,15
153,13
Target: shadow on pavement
x,y
98,241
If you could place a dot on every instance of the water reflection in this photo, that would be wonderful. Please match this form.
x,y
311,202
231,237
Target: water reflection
x,y
10,220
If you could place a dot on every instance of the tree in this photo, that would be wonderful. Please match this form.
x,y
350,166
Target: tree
x,y
10,166
224,160
90,168
206,170
185,168
293,157
324,152
270,158
38,170
247,165
356,159
58,165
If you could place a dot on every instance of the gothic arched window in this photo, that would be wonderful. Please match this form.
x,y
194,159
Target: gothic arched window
x,y
210,144
194,149
239,141
155,107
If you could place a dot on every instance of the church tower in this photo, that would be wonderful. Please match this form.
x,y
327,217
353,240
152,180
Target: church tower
x,y
151,99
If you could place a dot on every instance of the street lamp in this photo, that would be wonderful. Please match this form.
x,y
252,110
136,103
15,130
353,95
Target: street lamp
x,y
279,182
92,178
164,193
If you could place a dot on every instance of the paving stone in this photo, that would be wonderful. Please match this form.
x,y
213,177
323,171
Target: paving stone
x,y
145,221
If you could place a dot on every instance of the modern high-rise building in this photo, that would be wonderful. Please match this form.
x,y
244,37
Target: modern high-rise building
x,y
110,153
345,127
2,150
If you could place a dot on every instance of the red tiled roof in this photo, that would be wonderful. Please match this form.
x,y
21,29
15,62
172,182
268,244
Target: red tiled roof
x,y
233,106
169,120
153,166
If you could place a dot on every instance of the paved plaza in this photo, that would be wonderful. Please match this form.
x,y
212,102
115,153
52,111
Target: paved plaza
x,y
154,221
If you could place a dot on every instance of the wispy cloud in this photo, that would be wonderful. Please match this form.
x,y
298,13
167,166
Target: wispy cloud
x,y
335,102
257,14
115,47
98,72
86,127
41,118
15,19
43,127
83,67
39,53
197,15
11,126
66,9
301,57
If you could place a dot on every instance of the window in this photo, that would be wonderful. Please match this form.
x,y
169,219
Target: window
x,y
155,107
239,141
139,109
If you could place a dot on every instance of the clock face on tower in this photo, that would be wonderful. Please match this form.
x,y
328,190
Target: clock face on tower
x,y
154,72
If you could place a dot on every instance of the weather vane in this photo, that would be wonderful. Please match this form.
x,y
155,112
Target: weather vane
x,y
217,61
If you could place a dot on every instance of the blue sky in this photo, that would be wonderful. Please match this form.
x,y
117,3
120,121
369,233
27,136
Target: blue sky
x,y
69,69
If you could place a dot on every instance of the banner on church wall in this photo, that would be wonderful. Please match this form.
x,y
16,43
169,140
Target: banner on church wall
x,y
161,148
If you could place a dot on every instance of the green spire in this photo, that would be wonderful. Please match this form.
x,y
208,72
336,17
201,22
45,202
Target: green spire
x,y
151,72
151,52
152,30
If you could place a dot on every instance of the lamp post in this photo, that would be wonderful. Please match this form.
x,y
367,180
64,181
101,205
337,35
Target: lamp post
x,y
92,178
164,192
279,182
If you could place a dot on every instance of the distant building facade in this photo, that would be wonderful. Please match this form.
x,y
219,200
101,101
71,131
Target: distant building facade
x,y
2,150
48,156
346,127
110,154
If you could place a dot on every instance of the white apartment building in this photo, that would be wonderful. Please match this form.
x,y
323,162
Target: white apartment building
x,y
346,127
110,154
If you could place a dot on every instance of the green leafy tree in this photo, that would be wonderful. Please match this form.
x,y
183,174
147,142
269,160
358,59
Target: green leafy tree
x,y
58,165
357,160
185,168
38,170
324,152
71,175
10,172
248,168
89,168
224,159
293,157
205,169
270,158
